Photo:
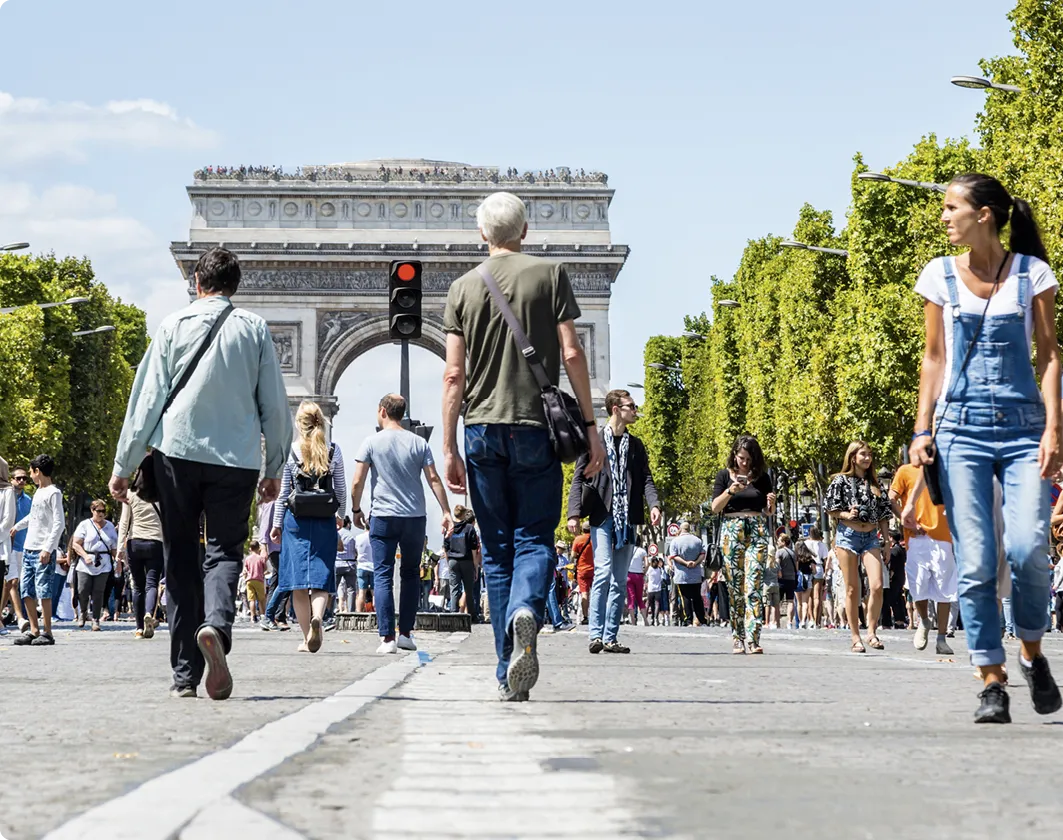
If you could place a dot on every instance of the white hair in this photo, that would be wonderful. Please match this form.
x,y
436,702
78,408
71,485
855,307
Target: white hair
x,y
501,217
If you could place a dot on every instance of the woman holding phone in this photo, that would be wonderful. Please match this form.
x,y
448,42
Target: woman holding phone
x,y
744,497
979,391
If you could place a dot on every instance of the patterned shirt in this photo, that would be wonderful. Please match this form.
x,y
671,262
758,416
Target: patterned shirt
x,y
849,491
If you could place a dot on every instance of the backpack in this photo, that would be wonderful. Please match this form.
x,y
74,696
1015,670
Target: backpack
x,y
312,496
456,543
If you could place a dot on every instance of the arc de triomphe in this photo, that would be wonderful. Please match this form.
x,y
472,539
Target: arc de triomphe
x,y
315,247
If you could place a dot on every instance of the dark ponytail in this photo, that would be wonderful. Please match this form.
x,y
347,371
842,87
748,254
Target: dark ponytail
x,y
987,191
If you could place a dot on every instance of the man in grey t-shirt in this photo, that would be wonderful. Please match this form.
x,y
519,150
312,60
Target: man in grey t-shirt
x,y
686,555
396,459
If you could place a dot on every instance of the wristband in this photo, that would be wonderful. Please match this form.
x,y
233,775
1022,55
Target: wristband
x,y
356,510
590,424
924,433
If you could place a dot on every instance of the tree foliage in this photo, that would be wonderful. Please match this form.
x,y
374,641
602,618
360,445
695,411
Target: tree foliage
x,y
822,349
63,394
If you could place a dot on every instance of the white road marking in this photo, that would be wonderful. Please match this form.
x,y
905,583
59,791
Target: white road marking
x,y
174,799
474,767
229,818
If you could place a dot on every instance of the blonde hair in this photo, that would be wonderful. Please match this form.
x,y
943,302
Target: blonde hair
x,y
849,468
313,448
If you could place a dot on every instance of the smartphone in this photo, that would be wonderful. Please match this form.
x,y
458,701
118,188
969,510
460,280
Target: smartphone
x,y
742,479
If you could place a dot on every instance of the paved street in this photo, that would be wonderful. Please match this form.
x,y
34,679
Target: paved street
x,y
679,739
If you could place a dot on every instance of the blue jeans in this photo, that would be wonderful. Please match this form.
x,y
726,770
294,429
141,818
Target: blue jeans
x,y
274,603
386,533
609,589
975,444
1009,618
58,583
553,608
514,482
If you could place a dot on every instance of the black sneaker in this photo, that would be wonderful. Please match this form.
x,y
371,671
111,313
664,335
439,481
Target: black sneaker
x,y
506,695
523,671
182,690
26,638
994,708
43,640
219,681
596,646
616,647
1043,689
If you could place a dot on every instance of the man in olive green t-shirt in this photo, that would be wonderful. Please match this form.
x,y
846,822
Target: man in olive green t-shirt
x,y
514,476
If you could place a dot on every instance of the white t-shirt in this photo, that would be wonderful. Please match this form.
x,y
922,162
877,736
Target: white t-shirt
x,y
365,551
819,553
654,574
638,561
87,531
931,285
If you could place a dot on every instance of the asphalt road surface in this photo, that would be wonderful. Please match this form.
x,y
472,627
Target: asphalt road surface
x,y
678,739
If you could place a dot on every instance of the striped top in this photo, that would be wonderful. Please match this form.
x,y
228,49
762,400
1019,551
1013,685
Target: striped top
x,y
291,467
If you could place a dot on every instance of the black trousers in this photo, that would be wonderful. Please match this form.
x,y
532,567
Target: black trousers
x,y
894,610
693,604
92,586
145,565
464,572
201,589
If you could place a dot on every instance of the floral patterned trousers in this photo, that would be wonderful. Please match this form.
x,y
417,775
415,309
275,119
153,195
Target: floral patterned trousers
x,y
744,544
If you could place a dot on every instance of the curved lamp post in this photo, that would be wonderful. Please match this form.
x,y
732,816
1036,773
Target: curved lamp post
x,y
978,83
15,246
106,328
790,243
638,385
74,301
878,176
659,366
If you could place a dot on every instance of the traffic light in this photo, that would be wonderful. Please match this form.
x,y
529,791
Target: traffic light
x,y
404,299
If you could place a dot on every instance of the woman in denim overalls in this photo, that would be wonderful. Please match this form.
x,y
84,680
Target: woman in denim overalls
x,y
991,421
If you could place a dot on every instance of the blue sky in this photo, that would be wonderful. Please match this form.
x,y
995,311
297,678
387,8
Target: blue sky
x,y
714,121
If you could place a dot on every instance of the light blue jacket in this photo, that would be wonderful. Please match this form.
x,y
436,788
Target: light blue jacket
x,y
235,397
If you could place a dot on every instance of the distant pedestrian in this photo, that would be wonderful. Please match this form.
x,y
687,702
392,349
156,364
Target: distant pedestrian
x,y
95,542
208,399
44,527
140,545
346,566
10,583
686,553
583,557
255,580
462,546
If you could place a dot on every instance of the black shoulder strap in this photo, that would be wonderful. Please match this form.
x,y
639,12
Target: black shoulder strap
x,y
523,343
200,353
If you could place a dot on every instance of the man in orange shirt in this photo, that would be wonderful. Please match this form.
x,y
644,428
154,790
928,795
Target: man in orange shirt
x,y
931,566
583,555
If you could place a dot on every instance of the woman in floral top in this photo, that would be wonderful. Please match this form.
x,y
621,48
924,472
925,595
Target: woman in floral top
x,y
860,507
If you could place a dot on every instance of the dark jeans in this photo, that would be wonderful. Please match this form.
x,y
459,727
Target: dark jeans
x,y
116,587
274,598
894,611
145,564
91,586
385,534
514,482
201,592
718,595
693,604
58,582
463,578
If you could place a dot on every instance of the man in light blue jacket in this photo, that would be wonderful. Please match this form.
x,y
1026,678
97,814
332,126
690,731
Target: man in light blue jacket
x,y
207,444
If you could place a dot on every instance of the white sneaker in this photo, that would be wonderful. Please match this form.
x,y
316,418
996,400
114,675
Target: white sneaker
x,y
406,643
548,630
568,625
388,647
922,632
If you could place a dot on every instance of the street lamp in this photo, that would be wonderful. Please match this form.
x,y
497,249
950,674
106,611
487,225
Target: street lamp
x,y
15,246
74,301
106,328
878,176
638,385
728,304
978,83
790,243
659,366
693,335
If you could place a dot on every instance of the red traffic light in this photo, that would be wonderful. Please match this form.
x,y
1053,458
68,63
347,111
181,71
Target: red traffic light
x,y
406,272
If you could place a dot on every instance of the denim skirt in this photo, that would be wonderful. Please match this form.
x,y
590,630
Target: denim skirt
x,y
308,554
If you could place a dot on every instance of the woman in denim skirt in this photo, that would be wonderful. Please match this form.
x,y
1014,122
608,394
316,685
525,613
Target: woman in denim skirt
x,y
860,506
979,392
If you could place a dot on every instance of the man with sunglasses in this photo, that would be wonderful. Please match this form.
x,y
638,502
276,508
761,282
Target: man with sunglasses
x,y
9,586
615,500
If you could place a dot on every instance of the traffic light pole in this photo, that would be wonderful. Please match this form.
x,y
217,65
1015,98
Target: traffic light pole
x,y
404,376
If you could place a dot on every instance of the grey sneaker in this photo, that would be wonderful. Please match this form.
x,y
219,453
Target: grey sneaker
x,y
508,696
524,664
182,691
43,640
942,647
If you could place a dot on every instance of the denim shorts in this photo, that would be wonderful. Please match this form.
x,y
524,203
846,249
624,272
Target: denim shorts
x,y
856,541
36,576
365,578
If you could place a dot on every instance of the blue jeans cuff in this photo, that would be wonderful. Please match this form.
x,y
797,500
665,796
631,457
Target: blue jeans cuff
x,y
1029,635
996,656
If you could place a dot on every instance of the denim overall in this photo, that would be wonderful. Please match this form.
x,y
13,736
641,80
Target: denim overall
x,y
993,427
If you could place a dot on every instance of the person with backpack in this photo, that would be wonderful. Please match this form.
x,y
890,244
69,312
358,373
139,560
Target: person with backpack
x,y
312,496
463,559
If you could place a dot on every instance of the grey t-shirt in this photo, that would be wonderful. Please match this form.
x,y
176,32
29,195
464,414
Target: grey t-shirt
x,y
397,459
689,548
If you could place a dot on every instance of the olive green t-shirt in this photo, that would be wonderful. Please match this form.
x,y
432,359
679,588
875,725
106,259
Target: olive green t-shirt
x,y
500,387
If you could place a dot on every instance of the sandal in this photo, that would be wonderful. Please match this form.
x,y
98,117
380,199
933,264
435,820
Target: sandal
x,y
739,647
858,647
875,643
756,649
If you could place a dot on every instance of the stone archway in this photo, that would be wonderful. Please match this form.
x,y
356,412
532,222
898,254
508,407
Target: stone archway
x,y
364,332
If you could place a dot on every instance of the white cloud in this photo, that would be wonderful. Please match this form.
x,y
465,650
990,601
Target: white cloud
x,y
36,129
126,255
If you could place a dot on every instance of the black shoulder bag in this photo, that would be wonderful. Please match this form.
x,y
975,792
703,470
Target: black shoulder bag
x,y
564,419
313,496
931,474
145,485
